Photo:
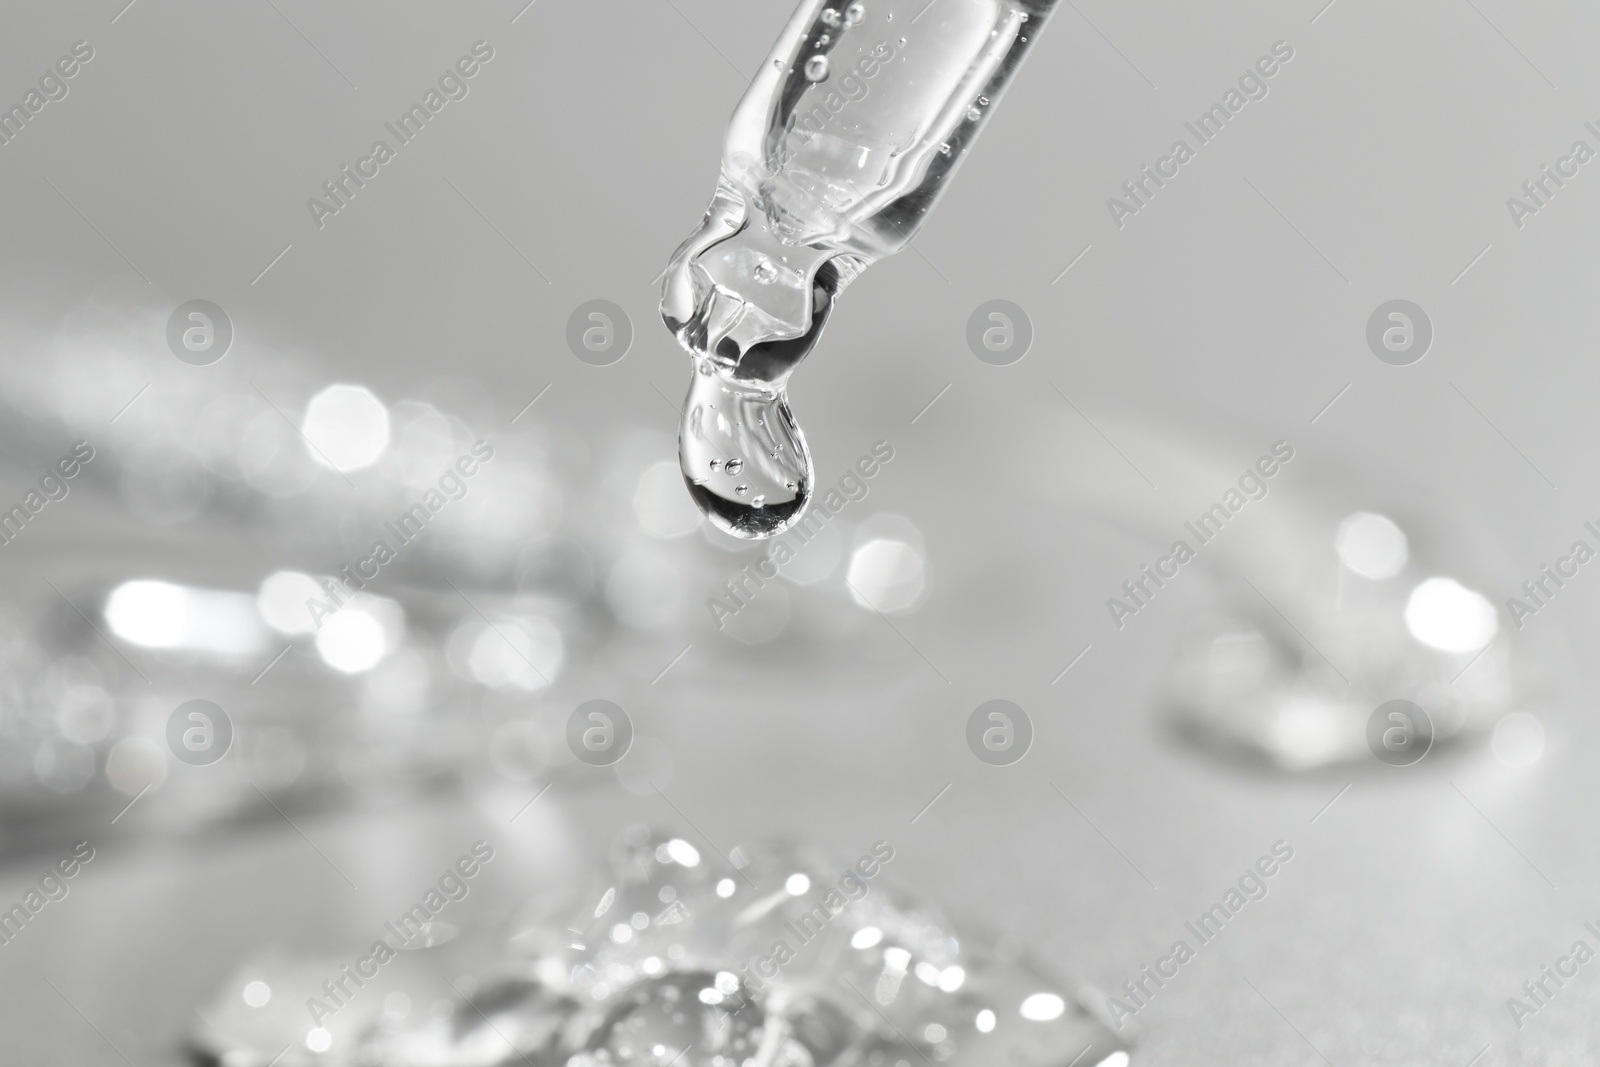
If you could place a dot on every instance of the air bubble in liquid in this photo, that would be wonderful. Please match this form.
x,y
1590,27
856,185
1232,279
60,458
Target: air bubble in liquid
x,y
854,14
830,17
817,68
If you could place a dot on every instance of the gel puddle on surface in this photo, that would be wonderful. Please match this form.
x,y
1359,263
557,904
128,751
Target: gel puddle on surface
x,y
833,158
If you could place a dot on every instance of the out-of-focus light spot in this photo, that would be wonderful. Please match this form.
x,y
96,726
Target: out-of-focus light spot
x,y
622,933
651,965
525,652
933,1033
1518,740
952,978
256,994
1444,614
63,766
816,560
682,852
896,958
1118,1058
725,888
646,587
887,575
283,598
1371,545
985,1021
796,884
1305,732
85,714
272,457
352,640
154,614
135,764
758,620
396,1005
1042,1007
319,1040
661,505
928,972
866,937
709,995
727,982
425,445
346,427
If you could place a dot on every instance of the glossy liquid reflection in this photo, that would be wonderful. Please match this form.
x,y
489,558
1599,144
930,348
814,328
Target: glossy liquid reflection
x,y
833,158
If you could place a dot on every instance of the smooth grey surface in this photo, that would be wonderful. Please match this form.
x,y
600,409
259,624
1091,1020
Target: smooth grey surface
x,y
1230,311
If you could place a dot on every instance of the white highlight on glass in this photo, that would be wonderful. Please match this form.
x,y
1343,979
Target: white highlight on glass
x,y
257,993
985,1021
796,884
725,888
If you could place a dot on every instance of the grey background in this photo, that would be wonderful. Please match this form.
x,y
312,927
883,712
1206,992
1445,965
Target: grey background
x,y
1228,313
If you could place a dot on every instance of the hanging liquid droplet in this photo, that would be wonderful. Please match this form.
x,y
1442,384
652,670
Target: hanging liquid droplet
x,y
810,194
723,417
715,464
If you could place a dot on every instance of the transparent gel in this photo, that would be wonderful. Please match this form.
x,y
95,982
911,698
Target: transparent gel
x,y
837,152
